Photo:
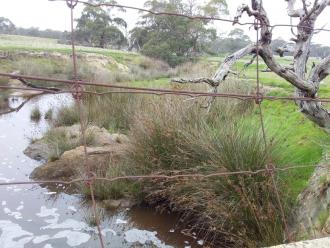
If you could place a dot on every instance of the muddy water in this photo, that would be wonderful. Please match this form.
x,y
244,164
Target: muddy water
x,y
32,216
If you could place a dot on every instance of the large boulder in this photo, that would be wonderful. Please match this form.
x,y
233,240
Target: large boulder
x,y
73,163
40,149
37,150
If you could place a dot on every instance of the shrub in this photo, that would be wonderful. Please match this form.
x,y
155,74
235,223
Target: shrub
x,y
35,114
67,116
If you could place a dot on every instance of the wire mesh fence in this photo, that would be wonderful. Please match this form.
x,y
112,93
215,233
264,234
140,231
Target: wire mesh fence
x,y
79,91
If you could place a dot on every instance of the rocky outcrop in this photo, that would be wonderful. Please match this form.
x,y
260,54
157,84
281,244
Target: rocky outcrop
x,y
41,149
313,214
105,147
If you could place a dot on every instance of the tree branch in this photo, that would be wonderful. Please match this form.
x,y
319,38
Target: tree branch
x,y
320,71
229,61
211,82
29,84
284,49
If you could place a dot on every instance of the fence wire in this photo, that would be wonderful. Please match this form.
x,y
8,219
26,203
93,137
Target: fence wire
x,y
78,91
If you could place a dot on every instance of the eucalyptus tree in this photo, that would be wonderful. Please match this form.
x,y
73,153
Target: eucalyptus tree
x,y
174,38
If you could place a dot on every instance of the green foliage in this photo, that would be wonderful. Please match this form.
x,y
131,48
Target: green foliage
x,y
112,111
236,40
171,38
6,26
97,28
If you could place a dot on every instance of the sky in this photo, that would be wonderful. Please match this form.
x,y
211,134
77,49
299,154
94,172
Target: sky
x,y
55,15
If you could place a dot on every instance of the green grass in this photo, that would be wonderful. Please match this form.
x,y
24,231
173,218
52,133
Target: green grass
x,y
15,43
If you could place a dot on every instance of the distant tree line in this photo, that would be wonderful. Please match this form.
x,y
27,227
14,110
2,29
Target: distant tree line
x,y
170,38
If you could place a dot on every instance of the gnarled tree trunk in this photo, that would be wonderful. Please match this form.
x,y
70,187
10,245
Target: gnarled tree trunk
x,y
306,85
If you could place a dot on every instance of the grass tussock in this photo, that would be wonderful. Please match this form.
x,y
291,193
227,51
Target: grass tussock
x,y
35,114
4,101
112,190
112,111
67,116
173,138
60,140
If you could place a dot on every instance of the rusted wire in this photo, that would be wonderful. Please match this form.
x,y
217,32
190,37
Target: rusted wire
x,y
160,176
144,90
270,167
78,91
77,95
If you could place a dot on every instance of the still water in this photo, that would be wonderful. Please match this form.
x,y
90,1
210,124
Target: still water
x,y
33,216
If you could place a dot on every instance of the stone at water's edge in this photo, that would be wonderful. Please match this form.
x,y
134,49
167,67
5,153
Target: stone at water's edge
x,y
71,163
37,150
40,150
121,203
106,147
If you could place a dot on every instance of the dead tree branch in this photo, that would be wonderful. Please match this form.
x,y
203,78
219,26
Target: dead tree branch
x,y
31,85
306,86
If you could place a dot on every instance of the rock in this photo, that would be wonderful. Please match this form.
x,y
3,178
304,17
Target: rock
x,y
37,150
112,204
120,138
71,163
40,150
121,203
101,135
126,203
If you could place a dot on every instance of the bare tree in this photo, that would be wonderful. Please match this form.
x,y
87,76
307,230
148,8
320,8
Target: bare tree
x,y
306,84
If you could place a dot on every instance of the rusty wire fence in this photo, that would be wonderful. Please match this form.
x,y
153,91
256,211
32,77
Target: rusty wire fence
x,y
78,91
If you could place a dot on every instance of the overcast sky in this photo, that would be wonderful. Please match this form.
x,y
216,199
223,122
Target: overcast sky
x,y
55,15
